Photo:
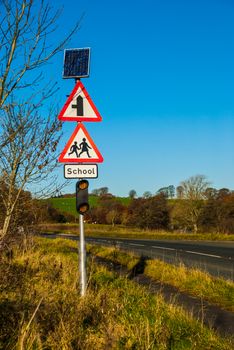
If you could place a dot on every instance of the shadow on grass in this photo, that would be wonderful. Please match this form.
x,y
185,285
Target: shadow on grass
x,y
139,268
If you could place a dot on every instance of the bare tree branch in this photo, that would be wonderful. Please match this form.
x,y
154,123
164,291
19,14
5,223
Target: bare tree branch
x,y
24,34
30,156
28,141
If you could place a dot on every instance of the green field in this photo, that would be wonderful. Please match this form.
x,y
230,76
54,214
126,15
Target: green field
x,y
68,205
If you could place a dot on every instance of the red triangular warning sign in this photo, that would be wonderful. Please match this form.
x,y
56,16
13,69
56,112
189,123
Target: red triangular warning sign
x,y
79,106
80,148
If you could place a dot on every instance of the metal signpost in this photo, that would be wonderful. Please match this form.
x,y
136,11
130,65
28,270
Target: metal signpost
x,y
83,278
80,148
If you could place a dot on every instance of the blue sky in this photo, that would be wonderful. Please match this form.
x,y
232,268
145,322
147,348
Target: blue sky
x,y
162,77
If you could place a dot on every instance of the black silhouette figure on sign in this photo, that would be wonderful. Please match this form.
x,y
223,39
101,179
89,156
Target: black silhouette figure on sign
x,y
84,147
74,149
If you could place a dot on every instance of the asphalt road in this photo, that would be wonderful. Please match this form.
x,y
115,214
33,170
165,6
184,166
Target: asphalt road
x,y
216,258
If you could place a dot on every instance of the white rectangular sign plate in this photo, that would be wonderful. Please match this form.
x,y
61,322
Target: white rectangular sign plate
x,y
80,171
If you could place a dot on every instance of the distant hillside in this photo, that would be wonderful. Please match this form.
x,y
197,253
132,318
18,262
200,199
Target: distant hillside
x,y
68,204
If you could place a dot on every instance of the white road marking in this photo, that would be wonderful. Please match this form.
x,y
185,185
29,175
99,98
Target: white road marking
x,y
198,253
165,248
140,245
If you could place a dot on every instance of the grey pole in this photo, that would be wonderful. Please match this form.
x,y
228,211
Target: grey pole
x,y
82,257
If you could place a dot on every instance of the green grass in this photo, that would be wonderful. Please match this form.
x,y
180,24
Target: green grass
x,y
192,281
41,308
68,205
124,200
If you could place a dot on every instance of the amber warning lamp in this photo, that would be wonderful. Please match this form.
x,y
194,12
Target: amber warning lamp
x,y
82,196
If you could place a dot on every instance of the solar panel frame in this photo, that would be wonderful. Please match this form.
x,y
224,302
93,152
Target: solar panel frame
x,y
76,63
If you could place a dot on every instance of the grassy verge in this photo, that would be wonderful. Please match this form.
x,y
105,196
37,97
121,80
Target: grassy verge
x,y
97,230
41,308
192,281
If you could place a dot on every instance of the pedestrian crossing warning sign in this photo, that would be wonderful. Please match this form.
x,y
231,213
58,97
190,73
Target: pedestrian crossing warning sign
x,y
80,148
79,106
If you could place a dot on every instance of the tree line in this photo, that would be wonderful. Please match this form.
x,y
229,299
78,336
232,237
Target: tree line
x,y
193,206
197,207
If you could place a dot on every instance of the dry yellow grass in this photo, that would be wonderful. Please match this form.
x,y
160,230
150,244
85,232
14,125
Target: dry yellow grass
x,y
41,308
192,281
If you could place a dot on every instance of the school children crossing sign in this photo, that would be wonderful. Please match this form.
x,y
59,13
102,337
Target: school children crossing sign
x,y
79,106
80,148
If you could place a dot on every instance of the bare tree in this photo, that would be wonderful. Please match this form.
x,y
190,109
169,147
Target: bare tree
x,y
193,190
195,187
112,216
28,141
29,156
25,30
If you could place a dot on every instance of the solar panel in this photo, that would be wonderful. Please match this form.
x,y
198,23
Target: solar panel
x,y
76,63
